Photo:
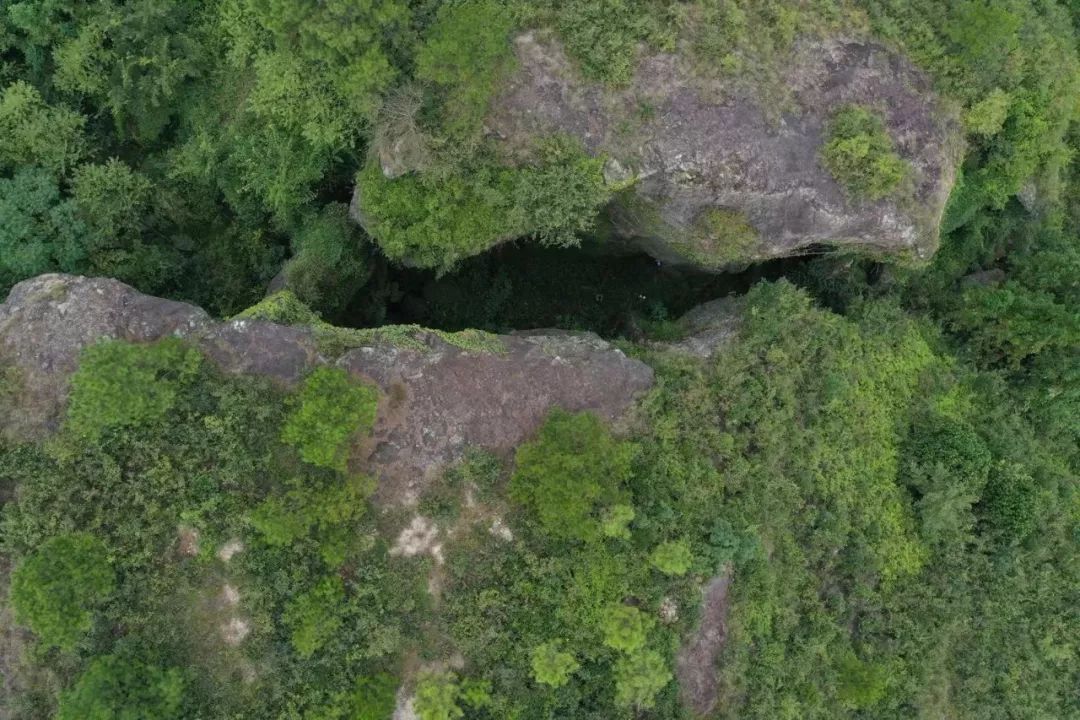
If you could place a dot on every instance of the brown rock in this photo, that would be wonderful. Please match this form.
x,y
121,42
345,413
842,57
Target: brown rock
x,y
690,146
438,399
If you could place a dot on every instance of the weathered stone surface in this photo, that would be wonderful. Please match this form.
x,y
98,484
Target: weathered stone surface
x,y
437,402
698,144
444,401
48,320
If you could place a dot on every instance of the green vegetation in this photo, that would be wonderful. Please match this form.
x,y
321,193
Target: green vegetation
x,y
859,153
120,385
881,462
115,535
55,590
114,687
551,666
571,474
436,221
672,558
327,411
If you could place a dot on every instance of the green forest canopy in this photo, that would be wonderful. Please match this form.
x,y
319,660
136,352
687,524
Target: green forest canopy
x,y
885,459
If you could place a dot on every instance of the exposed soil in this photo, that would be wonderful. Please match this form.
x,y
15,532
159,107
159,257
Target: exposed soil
x,y
695,665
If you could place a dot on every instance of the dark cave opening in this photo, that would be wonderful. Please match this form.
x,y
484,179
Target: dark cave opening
x,y
522,285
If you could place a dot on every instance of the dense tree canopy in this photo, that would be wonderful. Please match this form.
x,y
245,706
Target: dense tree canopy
x,y
879,460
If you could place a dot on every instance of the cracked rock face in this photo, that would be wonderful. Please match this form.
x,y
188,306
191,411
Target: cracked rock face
x,y
437,401
686,146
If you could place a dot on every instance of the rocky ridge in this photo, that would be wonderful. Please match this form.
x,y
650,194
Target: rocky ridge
x,y
438,399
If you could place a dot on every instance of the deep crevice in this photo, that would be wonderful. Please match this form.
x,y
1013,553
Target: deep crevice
x,y
521,286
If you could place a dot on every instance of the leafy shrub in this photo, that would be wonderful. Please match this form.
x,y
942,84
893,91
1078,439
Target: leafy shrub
x,y
571,473
329,409
440,696
329,262
616,521
625,628
603,35
55,590
323,511
373,698
114,688
860,154
41,231
315,616
672,558
639,677
467,46
862,684
988,116
435,220
551,665
119,384
1011,502
953,445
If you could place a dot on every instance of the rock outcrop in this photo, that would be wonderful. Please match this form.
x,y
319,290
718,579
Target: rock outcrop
x,y
718,172
701,145
439,399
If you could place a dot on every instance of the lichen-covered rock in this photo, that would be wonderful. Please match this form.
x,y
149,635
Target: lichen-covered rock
x,y
700,145
721,171
438,398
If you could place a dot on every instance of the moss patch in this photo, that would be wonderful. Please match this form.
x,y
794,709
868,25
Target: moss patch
x,y
286,309
861,155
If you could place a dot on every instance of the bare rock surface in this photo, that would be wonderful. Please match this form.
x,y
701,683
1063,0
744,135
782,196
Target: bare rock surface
x,y
691,144
695,665
438,399
445,400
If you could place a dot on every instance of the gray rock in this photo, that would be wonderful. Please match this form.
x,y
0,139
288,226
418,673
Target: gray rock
x,y
438,399
693,145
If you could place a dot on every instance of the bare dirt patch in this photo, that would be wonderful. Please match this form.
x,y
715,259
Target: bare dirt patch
x,y
695,665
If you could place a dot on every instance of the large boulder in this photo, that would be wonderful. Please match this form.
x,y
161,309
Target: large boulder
x,y
439,398
714,172
696,145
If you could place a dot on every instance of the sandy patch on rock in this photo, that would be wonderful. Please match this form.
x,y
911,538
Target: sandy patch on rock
x,y
226,552
235,630
188,541
501,530
230,596
419,538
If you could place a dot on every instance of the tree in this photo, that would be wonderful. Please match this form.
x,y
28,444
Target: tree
x,y
571,474
56,589
114,688
639,677
316,615
862,684
948,443
323,511
119,384
440,696
672,558
329,263
1010,503
625,628
551,665
328,410
616,521
39,230
34,133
